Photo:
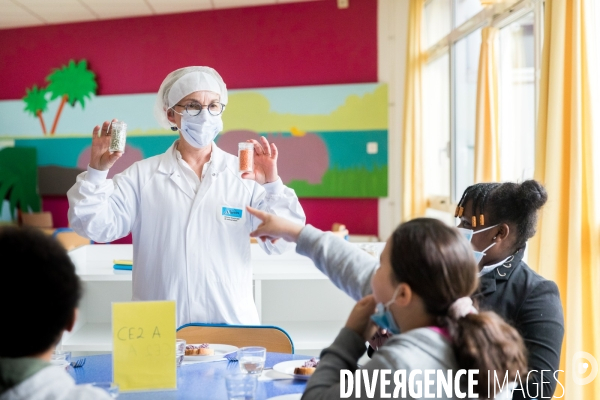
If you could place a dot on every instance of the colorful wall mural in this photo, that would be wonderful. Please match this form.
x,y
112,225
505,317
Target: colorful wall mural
x,y
332,138
298,44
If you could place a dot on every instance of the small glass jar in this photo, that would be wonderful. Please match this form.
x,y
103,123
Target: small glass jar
x,y
118,135
246,157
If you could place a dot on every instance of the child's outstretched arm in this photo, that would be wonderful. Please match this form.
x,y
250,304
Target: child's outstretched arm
x,y
346,265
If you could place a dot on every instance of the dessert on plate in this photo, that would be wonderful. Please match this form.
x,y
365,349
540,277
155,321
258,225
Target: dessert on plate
x,y
199,350
308,368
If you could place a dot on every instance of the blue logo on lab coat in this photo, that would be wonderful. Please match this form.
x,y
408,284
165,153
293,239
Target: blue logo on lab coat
x,y
231,214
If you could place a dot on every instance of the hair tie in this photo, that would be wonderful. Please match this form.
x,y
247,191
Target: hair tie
x,y
461,307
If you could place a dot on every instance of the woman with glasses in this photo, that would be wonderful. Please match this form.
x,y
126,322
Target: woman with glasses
x,y
186,208
498,219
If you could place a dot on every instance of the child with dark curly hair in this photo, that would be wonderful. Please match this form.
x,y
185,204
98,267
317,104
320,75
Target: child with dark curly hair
x,y
34,325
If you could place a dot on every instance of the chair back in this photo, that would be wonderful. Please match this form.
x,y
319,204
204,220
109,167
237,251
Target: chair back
x,y
69,239
37,220
273,338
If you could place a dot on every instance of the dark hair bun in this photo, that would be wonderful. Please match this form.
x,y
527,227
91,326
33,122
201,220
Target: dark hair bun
x,y
532,194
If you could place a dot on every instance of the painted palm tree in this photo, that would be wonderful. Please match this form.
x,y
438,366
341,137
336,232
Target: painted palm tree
x,y
19,179
36,103
72,83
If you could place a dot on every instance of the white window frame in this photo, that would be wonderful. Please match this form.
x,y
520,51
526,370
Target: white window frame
x,y
498,15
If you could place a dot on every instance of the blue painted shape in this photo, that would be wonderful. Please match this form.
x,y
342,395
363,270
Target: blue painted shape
x,y
311,100
135,109
123,267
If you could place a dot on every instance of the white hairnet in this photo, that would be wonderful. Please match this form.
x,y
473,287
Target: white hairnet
x,y
182,82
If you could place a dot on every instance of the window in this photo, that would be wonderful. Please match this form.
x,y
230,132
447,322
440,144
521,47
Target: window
x,y
436,97
517,100
450,89
436,12
596,104
466,63
464,10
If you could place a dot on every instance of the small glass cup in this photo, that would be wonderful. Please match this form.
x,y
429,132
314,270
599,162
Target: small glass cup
x,y
109,387
246,156
180,350
252,359
60,358
241,386
118,136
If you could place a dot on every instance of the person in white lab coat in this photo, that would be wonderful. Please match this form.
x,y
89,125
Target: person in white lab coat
x,y
186,208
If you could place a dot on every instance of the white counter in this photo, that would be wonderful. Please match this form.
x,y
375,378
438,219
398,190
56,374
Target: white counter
x,y
95,263
289,292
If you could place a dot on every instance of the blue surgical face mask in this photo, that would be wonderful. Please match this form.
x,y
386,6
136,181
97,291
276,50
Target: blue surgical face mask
x,y
383,317
468,234
200,130
479,254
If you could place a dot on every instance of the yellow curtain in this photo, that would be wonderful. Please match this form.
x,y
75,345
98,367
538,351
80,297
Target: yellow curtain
x,y
566,248
413,193
487,147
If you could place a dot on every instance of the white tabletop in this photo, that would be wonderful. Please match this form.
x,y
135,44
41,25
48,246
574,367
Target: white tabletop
x,y
95,263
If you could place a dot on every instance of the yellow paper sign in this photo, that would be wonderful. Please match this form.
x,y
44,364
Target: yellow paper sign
x,y
144,345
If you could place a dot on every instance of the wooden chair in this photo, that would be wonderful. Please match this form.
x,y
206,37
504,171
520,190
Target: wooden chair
x,y
272,338
69,239
38,220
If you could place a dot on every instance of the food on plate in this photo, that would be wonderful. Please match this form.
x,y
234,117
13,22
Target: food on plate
x,y
308,368
199,350
205,350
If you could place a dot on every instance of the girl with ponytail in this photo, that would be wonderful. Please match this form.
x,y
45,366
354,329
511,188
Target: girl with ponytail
x,y
498,219
421,294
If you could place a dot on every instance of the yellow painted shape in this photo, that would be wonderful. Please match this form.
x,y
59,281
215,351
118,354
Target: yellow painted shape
x,y
144,345
297,132
123,262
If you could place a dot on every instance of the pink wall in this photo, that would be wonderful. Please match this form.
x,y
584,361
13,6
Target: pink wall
x,y
309,43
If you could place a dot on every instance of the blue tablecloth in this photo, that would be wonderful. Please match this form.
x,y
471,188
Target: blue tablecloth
x,y
195,381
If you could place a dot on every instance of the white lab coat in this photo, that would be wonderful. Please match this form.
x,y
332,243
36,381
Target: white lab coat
x,y
184,247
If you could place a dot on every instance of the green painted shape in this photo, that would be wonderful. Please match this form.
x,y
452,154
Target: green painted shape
x,y
19,179
347,183
73,80
35,100
252,111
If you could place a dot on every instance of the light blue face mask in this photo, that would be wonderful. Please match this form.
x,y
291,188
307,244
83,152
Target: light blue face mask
x,y
383,317
468,234
200,130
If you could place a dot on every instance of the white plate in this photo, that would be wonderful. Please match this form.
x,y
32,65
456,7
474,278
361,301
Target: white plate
x,y
295,396
287,367
220,351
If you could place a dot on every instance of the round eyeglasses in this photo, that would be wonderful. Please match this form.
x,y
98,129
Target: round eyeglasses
x,y
194,108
